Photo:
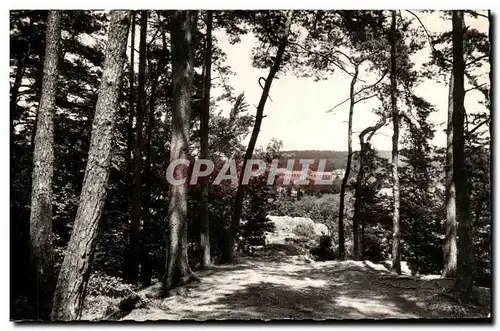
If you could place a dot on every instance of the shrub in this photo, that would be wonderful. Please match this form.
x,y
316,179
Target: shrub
x,y
304,230
102,284
324,251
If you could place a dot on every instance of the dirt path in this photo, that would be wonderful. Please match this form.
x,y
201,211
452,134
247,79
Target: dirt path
x,y
292,288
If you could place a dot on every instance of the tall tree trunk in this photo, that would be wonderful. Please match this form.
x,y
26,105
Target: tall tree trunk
x,y
146,263
75,269
396,236
205,115
183,30
465,266
42,255
135,210
146,267
130,142
450,244
346,175
240,193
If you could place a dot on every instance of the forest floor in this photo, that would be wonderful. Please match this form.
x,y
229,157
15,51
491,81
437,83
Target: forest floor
x,y
293,287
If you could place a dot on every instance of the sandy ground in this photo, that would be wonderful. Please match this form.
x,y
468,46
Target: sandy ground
x,y
294,288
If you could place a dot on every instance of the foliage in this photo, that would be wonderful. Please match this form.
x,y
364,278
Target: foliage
x,y
320,210
324,251
304,230
110,286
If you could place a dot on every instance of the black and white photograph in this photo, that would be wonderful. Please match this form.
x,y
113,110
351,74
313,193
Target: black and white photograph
x,y
257,165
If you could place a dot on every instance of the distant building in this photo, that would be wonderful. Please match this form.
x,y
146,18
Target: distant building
x,y
311,175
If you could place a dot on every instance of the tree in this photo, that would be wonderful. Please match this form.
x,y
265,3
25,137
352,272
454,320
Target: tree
x,y
236,216
205,113
182,32
358,224
474,42
79,67
42,258
396,254
130,134
135,210
450,244
73,276
465,265
155,69
348,166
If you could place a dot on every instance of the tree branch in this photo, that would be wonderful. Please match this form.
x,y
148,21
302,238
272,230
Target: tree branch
x,y
429,38
476,87
474,13
476,60
357,93
326,58
469,134
365,98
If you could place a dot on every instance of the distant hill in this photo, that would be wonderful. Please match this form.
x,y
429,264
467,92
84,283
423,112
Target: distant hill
x,y
335,159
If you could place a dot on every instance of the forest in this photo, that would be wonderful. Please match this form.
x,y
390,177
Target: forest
x,y
102,102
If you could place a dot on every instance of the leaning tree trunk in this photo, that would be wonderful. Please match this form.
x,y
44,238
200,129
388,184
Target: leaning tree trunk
x,y
364,145
130,141
240,193
450,244
205,115
182,32
135,210
75,269
396,236
465,266
346,175
42,256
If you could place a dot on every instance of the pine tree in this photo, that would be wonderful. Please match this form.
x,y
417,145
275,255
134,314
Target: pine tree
x,y
135,210
396,237
73,276
182,32
205,113
465,264
42,255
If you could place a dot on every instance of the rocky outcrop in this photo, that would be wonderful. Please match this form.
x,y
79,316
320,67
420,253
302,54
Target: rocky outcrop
x,y
293,227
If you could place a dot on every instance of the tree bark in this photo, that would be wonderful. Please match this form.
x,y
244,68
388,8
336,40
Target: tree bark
x,y
346,175
465,266
75,269
42,254
130,142
182,31
205,115
135,210
396,236
240,193
450,245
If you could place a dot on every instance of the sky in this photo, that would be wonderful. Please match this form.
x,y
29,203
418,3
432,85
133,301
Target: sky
x,y
297,114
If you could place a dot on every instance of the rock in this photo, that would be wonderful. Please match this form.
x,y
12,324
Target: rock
x,y
321,229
